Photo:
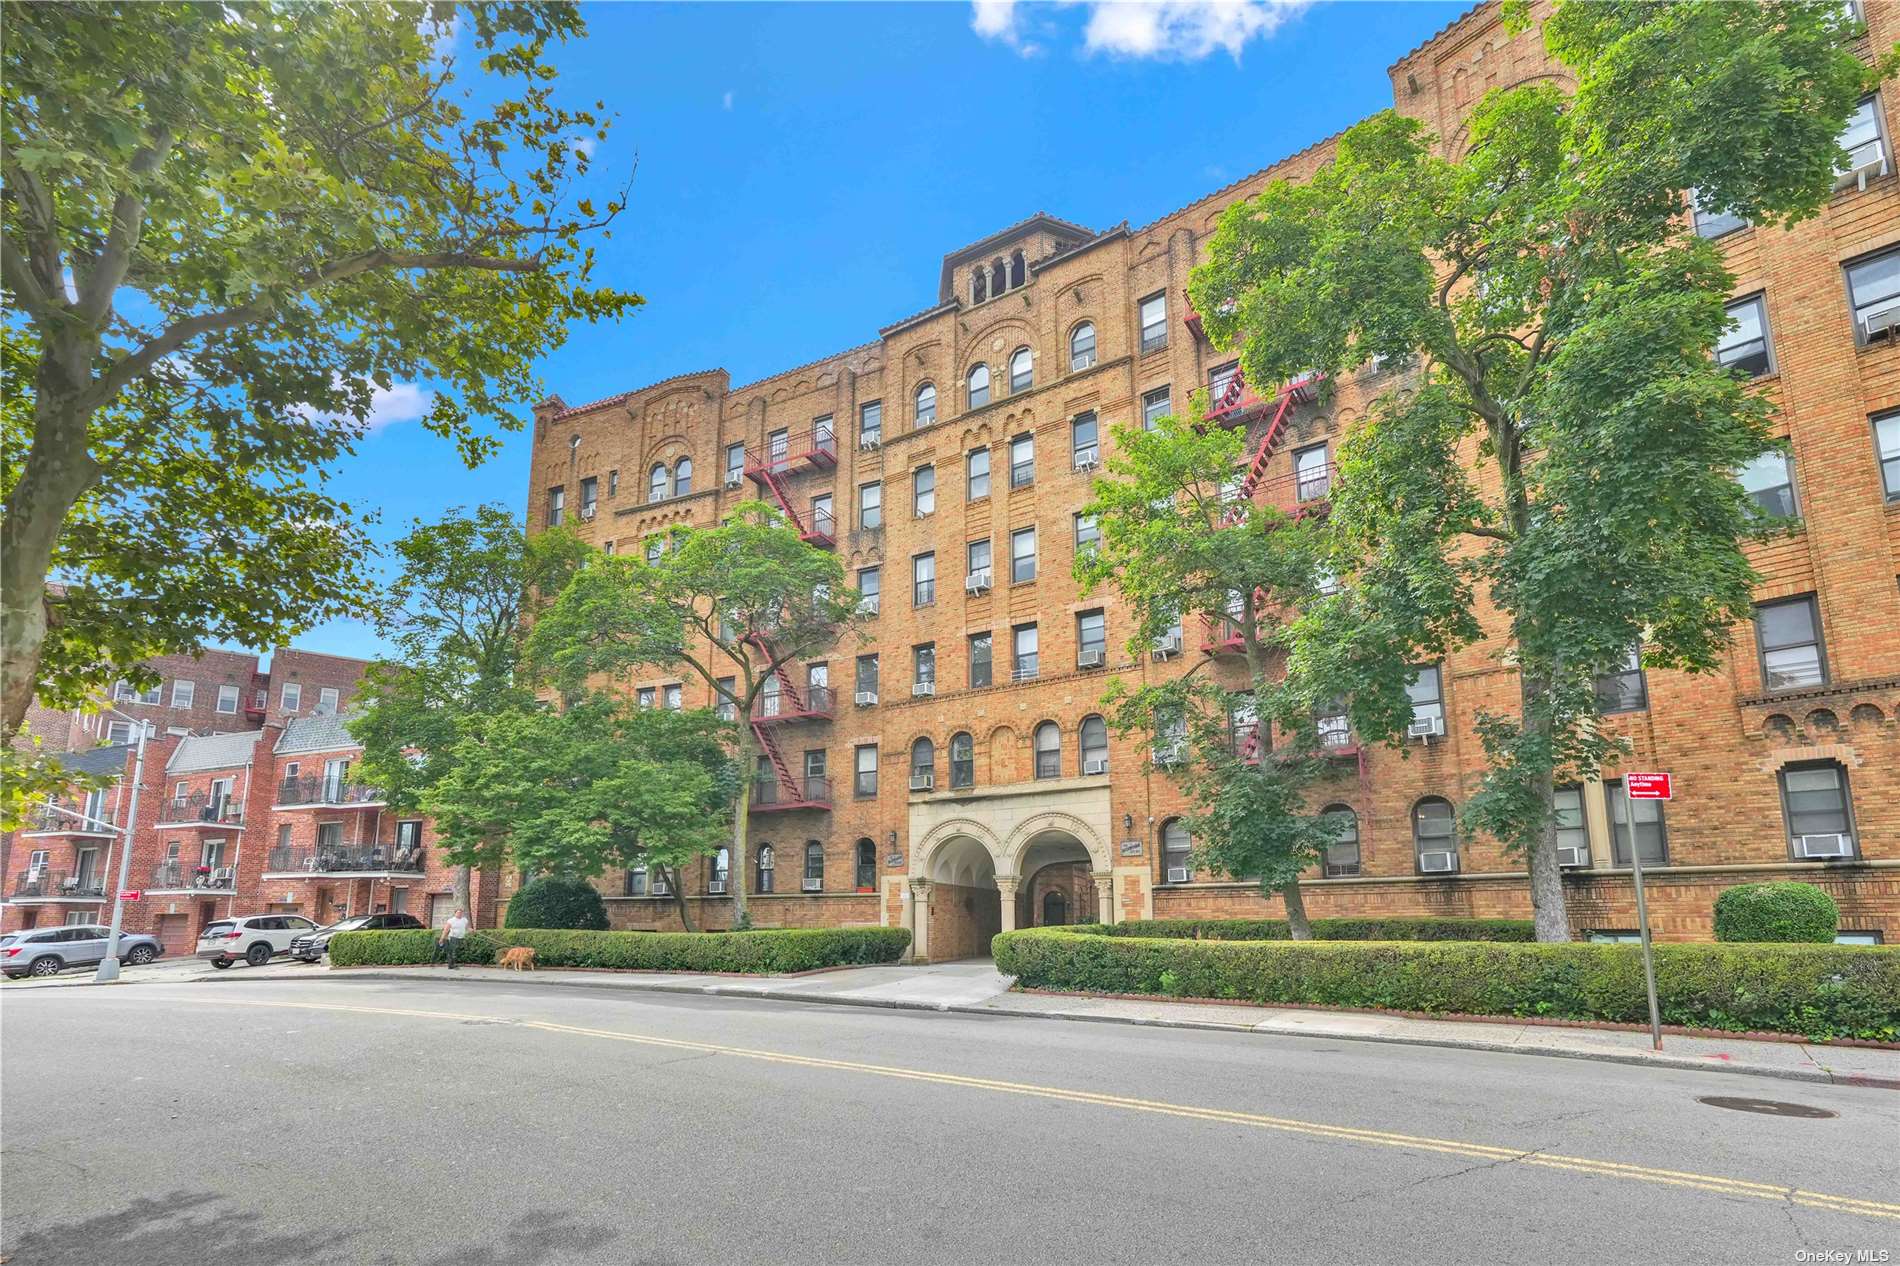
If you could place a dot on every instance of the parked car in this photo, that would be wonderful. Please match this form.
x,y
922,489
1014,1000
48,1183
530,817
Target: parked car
x,y
255,938
49,951
312,946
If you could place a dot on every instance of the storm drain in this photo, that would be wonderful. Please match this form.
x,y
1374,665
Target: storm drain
x,y
1767,1107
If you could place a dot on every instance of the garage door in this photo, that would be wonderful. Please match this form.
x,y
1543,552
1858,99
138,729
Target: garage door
x,y
174,933
441,908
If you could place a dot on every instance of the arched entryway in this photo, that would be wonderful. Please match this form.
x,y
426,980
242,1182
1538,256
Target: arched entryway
x,y
964,903
967,884
1058,883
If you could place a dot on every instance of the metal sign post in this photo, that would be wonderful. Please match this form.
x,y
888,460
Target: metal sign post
x,y
1644,787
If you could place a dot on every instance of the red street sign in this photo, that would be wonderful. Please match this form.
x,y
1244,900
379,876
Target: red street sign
x,y
1648,786
132,895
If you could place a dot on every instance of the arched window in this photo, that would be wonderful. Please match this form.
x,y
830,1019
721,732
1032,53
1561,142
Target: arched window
x,y
1055,909
1342,855
1435,834
768,861
1048,750
1094,744
979,386
719,871
962,761
657,482
926,405
1175,845
999,279
1022,370
978,292
1082,346
867,865
1018,270
814,866
682,476
923,765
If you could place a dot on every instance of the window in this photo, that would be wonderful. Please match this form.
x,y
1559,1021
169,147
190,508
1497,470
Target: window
x,y
1887,452
718,870
1085,440
870,587
1623,690
670,697
292,696
724,705
1022,461
1023,645
327,699
1022,370
227,699
923,765
646,696
1819,812
1713,223
823,521
1093,740
871,506
590,497
962,761
871,424
926,405
1866,151
1154,323
778,447
767,865
1428,700
978,467
1743,347
119,732
1175,847
1088,534
864,782
1573,836
923,491
1022,555
183,692
867,866
1091,639
735,465
1341,859
1873,289
923,664
979,386
1769,483
1435,835
1081,347
557,505
976,559
613,482
1224,385
656,549
1312,473
867,675
979,660
637,882
923,579
814,866
1155,405
1335,729
1650,834
659,479
1048,743
1789,635
683,477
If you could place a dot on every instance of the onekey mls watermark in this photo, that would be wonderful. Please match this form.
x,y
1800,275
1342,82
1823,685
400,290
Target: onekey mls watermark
x,y
1845,1256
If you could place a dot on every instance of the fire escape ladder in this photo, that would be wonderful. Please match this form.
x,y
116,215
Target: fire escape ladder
x,y
767,744
763,473
1264,453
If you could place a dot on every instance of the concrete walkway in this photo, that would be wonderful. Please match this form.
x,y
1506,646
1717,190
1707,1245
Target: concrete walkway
x,y
976,987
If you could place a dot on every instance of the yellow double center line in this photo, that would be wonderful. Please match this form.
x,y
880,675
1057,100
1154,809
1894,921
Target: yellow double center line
x,y
1314,1129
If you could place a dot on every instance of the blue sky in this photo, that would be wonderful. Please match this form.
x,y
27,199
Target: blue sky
x,y
803,169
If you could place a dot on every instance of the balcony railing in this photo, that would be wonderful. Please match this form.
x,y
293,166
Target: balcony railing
x,y
818,704
203,808
326,859
72,819
813,792
319,789
178,874
48,883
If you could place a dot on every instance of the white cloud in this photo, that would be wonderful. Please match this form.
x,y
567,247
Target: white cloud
x,y
585,143
725,102
1167,30
400,402
994,20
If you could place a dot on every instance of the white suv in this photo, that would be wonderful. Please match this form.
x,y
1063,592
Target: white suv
x,y
255,938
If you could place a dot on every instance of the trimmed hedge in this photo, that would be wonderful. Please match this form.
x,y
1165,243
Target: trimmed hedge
x,y
557,901
1328,929
765,952
1776,912
1817,991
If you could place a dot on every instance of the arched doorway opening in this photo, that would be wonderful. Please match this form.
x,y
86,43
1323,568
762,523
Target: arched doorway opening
x,y
1058,882
966,908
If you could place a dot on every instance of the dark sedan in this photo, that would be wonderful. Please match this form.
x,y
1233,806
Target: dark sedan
x,y
311,946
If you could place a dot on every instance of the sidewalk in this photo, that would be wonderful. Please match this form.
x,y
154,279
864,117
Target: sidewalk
x,y
976,987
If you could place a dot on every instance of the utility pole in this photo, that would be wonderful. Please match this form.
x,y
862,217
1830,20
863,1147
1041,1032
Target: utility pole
x,y
109,965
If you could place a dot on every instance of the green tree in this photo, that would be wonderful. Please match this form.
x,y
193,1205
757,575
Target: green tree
x,y
225,229
1563,447
457,615
1186,546
600,785
732,604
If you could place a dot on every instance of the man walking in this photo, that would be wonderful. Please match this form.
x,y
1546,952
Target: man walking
x,y
452,933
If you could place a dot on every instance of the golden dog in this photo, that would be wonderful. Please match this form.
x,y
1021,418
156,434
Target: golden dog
x,y
518,958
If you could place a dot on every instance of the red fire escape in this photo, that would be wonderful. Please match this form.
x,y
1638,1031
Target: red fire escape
x,y
788,789
786,455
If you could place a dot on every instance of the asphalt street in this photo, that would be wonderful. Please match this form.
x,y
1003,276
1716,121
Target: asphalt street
x,y
318,1119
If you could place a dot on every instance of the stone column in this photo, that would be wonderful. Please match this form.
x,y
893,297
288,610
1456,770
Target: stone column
x,y
1006,885
1104,898
920,920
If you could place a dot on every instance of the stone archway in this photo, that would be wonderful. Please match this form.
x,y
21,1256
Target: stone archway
x,y
957,904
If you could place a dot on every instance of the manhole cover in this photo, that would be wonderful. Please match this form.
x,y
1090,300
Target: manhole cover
x,y
1767,1107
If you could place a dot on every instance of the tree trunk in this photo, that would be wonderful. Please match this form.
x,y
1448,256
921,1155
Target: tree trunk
x,y
741,814
679,896
1297,923
462,893
1549,918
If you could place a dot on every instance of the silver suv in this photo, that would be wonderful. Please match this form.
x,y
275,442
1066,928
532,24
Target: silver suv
x,y
49,951
255,938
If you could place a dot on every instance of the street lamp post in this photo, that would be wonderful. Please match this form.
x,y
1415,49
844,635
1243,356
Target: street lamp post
x,y
109,965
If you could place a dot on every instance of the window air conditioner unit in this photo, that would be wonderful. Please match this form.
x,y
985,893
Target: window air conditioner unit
x,y
865,698
814,885
923,690
716,887
661,888
1095,765
923,782
1815,846
1438,862
1091,659
1169,755
1864,163
587,514
1167,646
1087,461
869,605
1882,322
734,478
977,582
1428,728
1573,857
870,443
1178,874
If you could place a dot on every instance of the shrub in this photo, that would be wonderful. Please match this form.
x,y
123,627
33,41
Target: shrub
x,y
1328,929
1776,912
1818,991
766,952
557,901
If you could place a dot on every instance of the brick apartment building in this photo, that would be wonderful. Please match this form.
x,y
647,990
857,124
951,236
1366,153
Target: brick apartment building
x,y
953,772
